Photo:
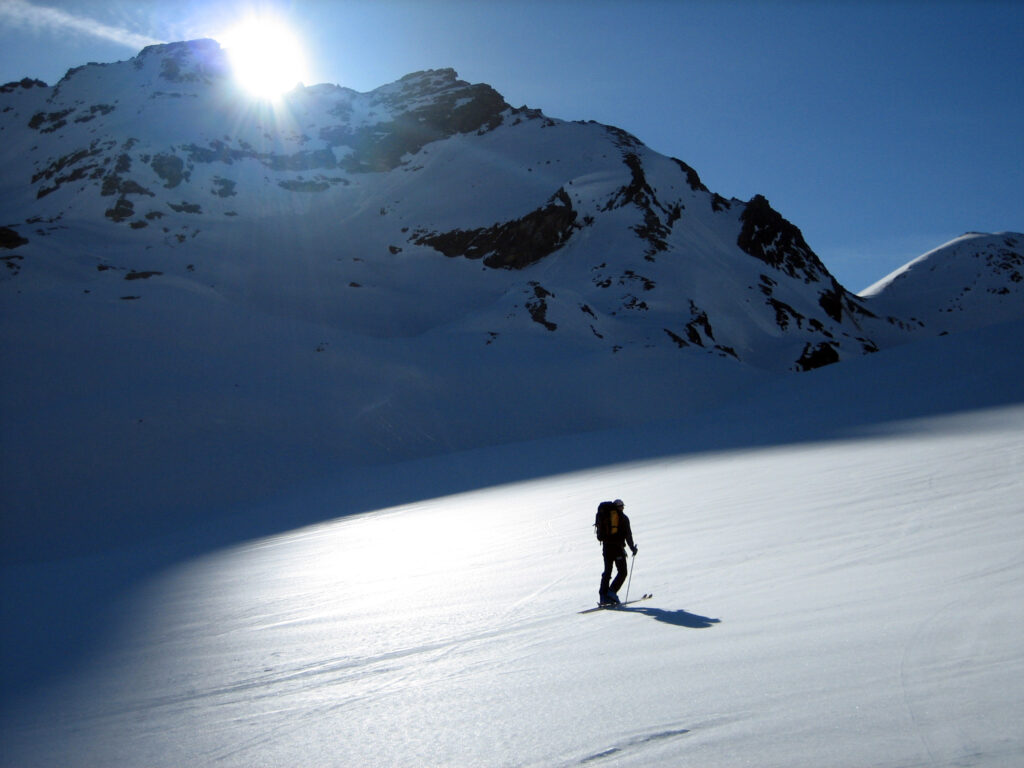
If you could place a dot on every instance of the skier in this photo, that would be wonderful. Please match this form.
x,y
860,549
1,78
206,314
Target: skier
x,y
614,533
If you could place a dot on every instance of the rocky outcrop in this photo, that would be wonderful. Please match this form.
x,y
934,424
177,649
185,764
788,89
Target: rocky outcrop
x,y
817,356
511,244
767,236
10,239
426,106
24,84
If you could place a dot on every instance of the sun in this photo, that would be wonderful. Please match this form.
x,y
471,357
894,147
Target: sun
x,y
266,57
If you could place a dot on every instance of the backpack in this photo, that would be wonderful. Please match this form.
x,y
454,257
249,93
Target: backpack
x,y
606,521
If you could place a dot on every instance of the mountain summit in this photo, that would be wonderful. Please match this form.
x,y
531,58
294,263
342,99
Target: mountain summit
x,y
357,277
166,146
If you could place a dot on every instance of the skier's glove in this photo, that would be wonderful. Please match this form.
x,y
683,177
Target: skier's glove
x,y
634,551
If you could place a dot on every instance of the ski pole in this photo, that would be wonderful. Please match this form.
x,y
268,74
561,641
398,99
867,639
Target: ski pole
x,y
631,564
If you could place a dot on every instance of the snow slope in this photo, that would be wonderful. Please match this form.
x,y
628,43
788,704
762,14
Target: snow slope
x,y
974,280
837,570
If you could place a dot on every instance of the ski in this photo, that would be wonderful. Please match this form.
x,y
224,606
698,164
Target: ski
x,y
605,606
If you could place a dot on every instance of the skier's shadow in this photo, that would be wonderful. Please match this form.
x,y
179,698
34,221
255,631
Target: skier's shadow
x,y
679,618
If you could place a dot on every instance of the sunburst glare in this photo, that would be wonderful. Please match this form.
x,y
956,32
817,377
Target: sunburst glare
x,y
266,56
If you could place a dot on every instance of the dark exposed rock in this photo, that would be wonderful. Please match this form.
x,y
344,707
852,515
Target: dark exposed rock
x,y
700,322
835,299
113,184
818,356
189,61
218,151
679,340
185,207
697,331
132,187
78,173
784,314
53,170
123,209
300,161
691,176
439,106
719,203
13,263
632,302
1008,261
48,122
767,236
624,140
10,239
223,187
95,111
299,185
645,282
512,244
170,168
25,84
639,193
537,306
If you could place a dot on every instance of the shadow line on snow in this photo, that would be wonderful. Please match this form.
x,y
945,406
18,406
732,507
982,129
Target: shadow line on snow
x,y
57,605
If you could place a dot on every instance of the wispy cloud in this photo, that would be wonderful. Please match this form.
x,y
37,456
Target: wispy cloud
x,y
26,14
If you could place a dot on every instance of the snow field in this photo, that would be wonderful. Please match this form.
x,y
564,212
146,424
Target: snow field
x,y
849,603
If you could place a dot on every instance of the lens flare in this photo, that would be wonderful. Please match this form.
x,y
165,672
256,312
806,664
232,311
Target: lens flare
x,y
266,57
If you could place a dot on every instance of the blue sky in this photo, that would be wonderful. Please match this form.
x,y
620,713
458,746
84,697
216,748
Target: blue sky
x,y
881,129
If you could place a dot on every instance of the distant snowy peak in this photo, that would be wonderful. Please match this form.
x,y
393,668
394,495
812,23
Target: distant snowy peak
x,y
972,281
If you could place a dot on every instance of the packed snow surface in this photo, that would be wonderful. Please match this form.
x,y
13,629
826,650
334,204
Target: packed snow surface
x,y
834,584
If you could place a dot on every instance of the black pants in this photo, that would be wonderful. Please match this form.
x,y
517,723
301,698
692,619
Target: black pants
x,y
618,559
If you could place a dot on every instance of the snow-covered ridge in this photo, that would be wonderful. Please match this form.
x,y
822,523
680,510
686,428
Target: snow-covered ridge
x,y
975,280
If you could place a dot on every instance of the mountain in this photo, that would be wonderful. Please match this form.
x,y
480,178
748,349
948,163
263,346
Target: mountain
x,y
974,281
268,293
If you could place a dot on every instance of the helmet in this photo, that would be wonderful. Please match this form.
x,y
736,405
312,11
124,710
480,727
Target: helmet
x,y
618,503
